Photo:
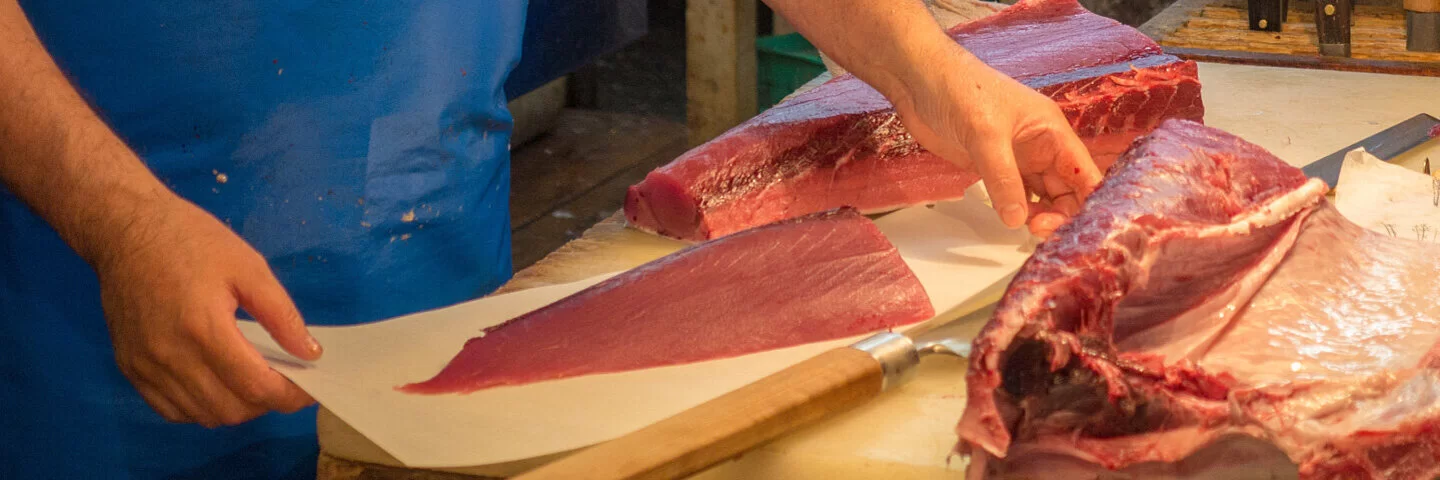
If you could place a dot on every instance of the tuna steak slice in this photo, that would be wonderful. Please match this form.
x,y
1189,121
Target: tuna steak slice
x,y
819,277
1208,299
841,144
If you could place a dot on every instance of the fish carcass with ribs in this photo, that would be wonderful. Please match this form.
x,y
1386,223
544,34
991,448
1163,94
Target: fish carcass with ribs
x,y
841,143
824,276
1209,314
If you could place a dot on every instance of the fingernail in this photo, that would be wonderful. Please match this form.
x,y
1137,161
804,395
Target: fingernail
x,y
1012,215
312,345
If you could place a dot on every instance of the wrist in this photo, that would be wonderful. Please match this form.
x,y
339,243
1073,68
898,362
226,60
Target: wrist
x,y
104,220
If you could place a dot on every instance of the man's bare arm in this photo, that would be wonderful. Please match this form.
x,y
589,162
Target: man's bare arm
x,y
955,105
887,43
57,155
171,275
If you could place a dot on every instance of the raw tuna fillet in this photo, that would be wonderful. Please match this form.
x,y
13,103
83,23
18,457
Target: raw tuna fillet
x,y
841,144
820,277
1209,314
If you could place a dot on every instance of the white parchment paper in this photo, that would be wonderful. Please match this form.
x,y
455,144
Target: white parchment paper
x,y
1389,198
958,250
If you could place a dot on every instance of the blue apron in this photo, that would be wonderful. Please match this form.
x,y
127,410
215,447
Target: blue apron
x,y
364,151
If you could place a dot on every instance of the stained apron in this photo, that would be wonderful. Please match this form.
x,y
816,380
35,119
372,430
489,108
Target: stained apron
x,y
364,152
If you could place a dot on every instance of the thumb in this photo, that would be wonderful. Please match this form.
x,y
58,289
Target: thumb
x,y
260,294
995,159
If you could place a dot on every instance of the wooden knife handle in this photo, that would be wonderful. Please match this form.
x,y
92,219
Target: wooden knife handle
x,y
701,437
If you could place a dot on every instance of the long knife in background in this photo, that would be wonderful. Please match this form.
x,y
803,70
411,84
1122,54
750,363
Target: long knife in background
x,y
1386,145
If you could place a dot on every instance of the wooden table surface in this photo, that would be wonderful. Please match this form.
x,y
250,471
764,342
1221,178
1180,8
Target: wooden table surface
x,y
907,434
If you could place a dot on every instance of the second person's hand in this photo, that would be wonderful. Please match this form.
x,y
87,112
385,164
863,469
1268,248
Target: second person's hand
x,y
1015,138
956,106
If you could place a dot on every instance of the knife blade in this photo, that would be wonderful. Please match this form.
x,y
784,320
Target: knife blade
x,y
1386,145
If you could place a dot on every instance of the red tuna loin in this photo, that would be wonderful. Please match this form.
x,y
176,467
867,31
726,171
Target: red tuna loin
x,y
1207,292
841,144
819,277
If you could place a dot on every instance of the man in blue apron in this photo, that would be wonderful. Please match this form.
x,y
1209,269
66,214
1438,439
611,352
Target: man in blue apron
x,y
347,161
360,147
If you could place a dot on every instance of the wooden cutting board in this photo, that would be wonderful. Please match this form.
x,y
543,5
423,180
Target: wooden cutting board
x,y
1300,115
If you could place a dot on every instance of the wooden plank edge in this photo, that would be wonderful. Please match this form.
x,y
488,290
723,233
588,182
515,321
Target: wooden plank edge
x,y
1316,62
331,467
345,454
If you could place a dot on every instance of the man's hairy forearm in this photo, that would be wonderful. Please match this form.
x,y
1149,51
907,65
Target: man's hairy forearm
x,y
886,43
57,155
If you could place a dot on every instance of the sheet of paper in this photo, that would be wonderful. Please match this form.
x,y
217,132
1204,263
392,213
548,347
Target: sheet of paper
x,y
1389,198
957,249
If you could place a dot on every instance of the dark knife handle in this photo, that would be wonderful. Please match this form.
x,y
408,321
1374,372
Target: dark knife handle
x,y
1267,15
1332,27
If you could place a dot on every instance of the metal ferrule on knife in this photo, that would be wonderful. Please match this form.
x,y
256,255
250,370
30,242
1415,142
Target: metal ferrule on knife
x,y
899,354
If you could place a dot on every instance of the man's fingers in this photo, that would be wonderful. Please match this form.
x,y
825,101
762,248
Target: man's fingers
x,y
1045,217
1073,164
261,295
163,406
217,399
192,406
244,371
1066,205
1046,223
995,160
209,341
292,398
1062,198
1034,182
157,378
1058,168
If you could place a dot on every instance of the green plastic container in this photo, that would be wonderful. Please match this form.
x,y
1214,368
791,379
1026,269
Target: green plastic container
x,y
784,63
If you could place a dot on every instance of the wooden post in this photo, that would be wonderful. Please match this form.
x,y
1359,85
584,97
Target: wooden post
x,y
719,66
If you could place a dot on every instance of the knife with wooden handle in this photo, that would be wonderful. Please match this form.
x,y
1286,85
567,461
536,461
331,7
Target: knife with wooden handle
x,y
803,394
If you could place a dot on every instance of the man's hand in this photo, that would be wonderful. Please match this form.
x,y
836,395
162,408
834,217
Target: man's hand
x,y
170,289
955,105
1014,137
171,275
